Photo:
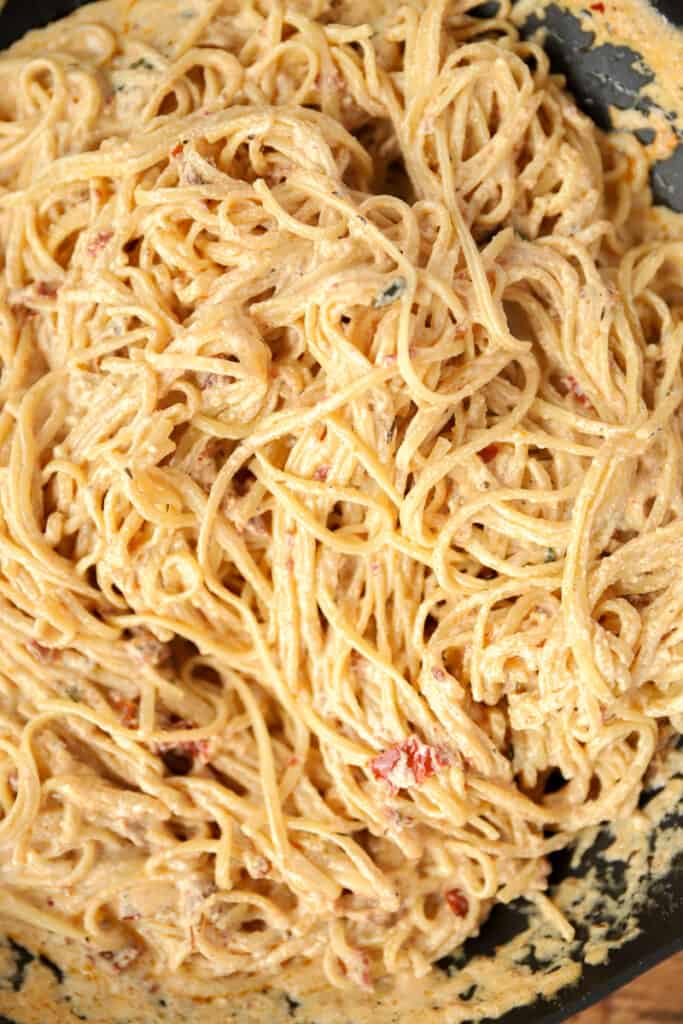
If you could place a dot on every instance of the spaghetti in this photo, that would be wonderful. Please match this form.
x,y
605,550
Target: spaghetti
x,y
340,490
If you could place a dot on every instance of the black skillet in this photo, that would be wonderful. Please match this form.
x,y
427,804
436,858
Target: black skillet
x,y
598,76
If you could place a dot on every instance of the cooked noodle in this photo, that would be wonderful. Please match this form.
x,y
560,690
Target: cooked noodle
x,y
342,512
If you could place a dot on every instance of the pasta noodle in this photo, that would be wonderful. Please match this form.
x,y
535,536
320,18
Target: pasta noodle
x,y
341,505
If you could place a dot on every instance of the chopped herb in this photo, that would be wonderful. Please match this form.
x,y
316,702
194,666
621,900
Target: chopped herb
x,y
187,14
550,555
393,291
73,693
142,63
120,87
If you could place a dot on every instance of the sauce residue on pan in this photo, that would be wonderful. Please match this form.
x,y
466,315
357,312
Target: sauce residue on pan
x,y
46,980
659,46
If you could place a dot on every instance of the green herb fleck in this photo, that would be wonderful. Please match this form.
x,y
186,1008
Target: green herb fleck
x,y
73,693
393,291
187,14
142,63
550,555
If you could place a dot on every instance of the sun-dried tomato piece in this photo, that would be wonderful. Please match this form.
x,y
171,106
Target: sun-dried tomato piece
x,y
127,709
488,453
408,763
384,763
47,289
457,902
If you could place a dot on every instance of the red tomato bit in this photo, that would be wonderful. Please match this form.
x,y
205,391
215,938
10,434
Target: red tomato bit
x,y
457,902
488,453
127,709
46,289
408,763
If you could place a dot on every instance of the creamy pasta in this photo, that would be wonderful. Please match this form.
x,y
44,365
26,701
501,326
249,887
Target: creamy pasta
x,y
341,513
